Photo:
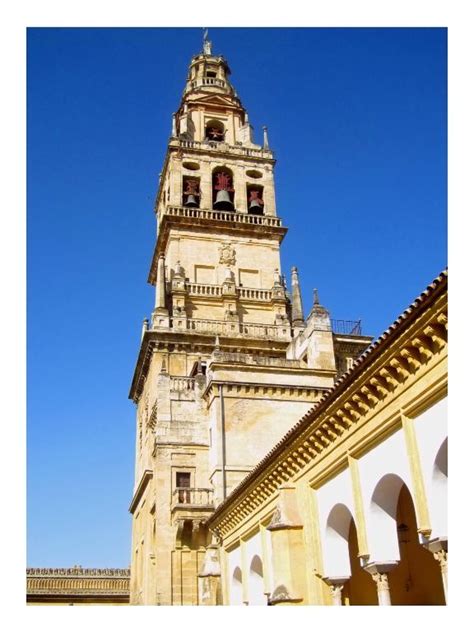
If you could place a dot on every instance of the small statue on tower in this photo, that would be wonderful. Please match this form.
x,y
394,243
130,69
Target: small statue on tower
x,y
206,44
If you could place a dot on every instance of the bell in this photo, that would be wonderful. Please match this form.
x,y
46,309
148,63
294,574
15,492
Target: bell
x,y
191,201
255,207
223,201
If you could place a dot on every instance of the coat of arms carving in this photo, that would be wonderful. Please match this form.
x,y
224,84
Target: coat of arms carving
x,y
227,254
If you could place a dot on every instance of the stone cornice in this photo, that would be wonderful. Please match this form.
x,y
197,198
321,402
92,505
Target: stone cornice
x,y
155,339
142,485
262,390
420,335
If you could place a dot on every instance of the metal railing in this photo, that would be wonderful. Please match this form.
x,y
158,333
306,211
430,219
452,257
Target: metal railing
x,y
197,496
349,327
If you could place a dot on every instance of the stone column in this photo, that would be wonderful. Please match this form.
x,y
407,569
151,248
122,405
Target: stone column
x,y
379,573
439,548
336,584
160,300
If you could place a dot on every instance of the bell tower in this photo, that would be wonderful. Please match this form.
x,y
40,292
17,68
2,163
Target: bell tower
x,y
227,362
218,232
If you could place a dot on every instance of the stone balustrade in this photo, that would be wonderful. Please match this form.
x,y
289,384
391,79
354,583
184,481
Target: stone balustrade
x,y
233,216
236,150
230,328
181,384
196,496
255,360
243,293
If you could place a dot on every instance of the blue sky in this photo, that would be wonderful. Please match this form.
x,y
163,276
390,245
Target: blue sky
x,y
357,118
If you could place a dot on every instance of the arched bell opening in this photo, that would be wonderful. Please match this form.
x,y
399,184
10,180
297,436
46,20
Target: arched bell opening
x,y
222,189
214,130
191,192
255,203
256,585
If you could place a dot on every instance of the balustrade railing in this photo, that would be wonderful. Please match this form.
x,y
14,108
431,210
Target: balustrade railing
x,y
229,328
208,81
237,150
239,218
247,358
199,289
254,294
182,384
197,496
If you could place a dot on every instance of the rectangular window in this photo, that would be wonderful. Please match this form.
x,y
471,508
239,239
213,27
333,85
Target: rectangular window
x,y
183,483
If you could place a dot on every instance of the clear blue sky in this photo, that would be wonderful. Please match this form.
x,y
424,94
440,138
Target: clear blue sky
x,y
357,118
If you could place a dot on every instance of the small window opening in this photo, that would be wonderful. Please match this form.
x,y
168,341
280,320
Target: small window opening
x,y
211,73
223,190
191,193
255,204
215,131
183,483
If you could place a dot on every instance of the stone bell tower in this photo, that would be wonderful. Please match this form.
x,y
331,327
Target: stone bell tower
x,y
222,372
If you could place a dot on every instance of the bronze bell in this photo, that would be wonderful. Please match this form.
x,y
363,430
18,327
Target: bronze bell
x,y
255,207
191,201
223,201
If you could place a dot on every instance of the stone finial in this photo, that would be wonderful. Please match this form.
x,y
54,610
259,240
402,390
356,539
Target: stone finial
x,y
265,137
297,316
315,297
217,344
179,270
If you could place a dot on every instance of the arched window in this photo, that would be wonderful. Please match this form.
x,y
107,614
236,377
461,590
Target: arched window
x,y
191,193
215,131
255,204
222,189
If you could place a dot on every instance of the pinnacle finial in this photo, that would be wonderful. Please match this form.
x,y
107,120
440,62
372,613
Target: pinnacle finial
x,y
207,44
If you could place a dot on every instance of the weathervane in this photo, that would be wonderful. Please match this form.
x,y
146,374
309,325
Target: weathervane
x,y
206,43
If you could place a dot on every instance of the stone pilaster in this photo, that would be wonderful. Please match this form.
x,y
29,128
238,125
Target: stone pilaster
x,y
288,550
